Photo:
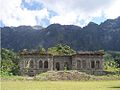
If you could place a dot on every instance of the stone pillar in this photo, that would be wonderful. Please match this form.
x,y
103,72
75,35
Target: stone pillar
x,y
43,65
101,64
24,63
51,63
87,64
95,64
81,64
21,64
34,64
61,65
74,64
37,64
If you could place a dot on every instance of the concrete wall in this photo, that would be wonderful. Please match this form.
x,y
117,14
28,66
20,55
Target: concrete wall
x,y
88,59
74,62
25,67
62,60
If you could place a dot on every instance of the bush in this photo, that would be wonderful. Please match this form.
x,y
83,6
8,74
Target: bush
x,y
9,63
110,64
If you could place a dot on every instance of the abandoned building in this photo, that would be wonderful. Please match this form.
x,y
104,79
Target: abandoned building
x,y
33,63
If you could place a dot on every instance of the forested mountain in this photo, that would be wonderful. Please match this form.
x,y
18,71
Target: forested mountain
x,y
105,36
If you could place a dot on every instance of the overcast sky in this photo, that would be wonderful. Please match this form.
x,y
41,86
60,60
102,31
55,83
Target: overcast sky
x,y
66,12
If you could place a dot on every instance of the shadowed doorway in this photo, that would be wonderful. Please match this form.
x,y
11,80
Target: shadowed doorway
x,y
58,66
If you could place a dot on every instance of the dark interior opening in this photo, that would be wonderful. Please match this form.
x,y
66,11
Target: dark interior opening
x,y
58,66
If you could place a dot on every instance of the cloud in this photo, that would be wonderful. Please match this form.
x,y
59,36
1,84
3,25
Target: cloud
x,y
114,10
33,5
44,12
62,6
78,11
12,14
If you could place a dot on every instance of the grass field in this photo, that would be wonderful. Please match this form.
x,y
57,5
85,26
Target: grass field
x,y
60,85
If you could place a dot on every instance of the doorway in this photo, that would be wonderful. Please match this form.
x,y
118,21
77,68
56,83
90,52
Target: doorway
x,y
58,66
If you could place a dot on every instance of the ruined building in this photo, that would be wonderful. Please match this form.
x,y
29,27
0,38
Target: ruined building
x,y
33,63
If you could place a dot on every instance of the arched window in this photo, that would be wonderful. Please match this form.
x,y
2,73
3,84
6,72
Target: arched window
x,y
78,64
46,64
31,64
40,64
83,64
97,64
92,64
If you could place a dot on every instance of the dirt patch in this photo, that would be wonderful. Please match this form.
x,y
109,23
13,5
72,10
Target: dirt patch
x,y
63,75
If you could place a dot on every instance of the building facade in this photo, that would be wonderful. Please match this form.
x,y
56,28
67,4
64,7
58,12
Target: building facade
x,y
35,63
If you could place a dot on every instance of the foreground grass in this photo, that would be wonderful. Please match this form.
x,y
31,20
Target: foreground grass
x,y
60,85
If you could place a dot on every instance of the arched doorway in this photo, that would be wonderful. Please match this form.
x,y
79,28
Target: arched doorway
x,y
92,64
78,64
31,64
40,64
57,66
46,64
97,64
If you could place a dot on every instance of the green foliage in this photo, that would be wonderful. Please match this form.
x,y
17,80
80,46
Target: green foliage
x,y
60,49
108,57
5,73
42,50
116,56
117,59
65,68
9,62
110,64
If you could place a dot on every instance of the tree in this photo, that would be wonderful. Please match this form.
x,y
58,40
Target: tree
x,y
117,59
9,62
60,49
110,64
41,49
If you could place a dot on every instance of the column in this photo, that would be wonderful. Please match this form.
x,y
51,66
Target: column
x,y
37,64
74,64
43,64
87,64
101,64
34,64
51,63
24,63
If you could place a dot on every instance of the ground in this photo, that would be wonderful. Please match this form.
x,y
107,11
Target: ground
x,y
61,80
61,85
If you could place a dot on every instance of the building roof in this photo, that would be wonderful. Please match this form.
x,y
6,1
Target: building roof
x,y
34,53
89,53
48,54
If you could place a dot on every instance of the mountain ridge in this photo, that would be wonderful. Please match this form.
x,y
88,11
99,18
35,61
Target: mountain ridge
x,y
92,37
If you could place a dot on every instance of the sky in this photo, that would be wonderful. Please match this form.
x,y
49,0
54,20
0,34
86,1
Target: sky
x,y
65,12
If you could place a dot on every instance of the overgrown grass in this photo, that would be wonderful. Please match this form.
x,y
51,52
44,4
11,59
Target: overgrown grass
x,y
13,78
104,82
62,76
60,85
108,77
